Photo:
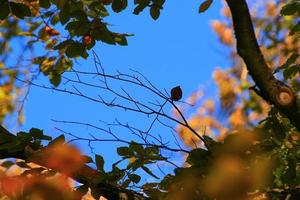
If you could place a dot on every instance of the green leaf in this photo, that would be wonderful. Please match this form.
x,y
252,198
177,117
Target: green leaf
x,y
39,60
95,193
205,5
28,34
76,49
126,183
291,71
124,151
64,14
151,150
146,169
134,178
4,9
55,19
59,140
7,164
119,5
20,10
55,78
121,40
63,64
155,12
136,147
210,143
99,162
199,157
295,29
38,134
139,9
44,3
63,44
289,9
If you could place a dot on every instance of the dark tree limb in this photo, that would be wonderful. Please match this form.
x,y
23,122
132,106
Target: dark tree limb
x,y
272,90
85,175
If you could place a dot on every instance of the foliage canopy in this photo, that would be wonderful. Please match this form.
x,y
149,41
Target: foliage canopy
x,y
254,154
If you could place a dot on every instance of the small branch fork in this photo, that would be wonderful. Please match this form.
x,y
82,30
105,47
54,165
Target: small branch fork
x,y
269,88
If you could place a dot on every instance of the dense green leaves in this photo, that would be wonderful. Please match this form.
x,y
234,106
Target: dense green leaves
x,y
76,49
4,9
119,5
64,14
291,8
20,10
44,3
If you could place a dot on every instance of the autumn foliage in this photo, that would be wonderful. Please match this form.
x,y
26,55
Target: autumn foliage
x,y
237,146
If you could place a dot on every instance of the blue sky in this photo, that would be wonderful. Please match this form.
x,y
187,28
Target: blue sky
x,y
177,49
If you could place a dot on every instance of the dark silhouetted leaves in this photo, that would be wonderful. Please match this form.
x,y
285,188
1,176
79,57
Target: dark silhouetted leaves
x,y
20,10
119,5
199,157
290,9
76,49
155,12
134,178
4,9
44,3
176,93
148,171
124,151
99,162
64,14
205,5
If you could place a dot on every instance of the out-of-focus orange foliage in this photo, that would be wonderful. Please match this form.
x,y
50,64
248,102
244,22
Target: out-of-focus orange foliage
x,y
37,187
8,92
64,158
35,183
237,170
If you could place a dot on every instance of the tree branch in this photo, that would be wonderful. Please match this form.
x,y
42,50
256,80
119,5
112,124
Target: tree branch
x,y
272,90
